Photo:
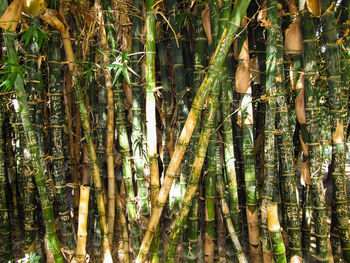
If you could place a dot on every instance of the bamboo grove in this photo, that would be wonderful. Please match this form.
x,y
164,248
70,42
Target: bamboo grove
x,y
174,131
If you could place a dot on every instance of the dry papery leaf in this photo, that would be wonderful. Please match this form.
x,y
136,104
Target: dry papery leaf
x,y
10,18
54,19
206,23
338,136
294,40
305,173
254,70
242,77
300,107
314,7
34,8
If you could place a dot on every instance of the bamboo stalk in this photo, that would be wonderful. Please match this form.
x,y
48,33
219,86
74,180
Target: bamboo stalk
x,y
335,87
108,47
88,136
57,131
137,120
151,113
208,127
279,250
198,103
311,110
80,254
124,227
5,228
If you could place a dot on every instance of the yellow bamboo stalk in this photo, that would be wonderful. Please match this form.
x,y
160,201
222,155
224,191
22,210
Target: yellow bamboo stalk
x,y
82,224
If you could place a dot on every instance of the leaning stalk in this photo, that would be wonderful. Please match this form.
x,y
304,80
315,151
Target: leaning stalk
x,y
208,127
22,110
197,105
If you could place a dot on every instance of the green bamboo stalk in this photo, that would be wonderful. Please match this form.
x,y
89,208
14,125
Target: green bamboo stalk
x,y
22,110
90,145
279,250
198,75
151,112
197,105
272,83
311,110
210,185
126,163
57,132
124,227
245,89
225,210
179,185
5,227
137,120
208,127
229,154
285,146
10,167
335,87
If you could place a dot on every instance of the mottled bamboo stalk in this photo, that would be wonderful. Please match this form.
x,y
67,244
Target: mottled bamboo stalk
x,y
335,87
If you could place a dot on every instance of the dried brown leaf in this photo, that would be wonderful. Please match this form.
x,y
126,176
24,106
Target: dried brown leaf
x,y
300,107
294,39
242,77
206,23
10,18
54,19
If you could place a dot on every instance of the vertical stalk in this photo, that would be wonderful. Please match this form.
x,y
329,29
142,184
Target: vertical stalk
x,y
279,250
311,111
210,185
335,87
88,136
57,132
151,111
5,228
137,121
273,79
80,254
108,44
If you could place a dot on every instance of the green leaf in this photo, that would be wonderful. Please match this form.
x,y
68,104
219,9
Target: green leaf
x,y
117,75
126,76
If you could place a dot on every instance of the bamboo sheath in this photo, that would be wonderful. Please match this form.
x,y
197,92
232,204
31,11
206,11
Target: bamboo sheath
x,y
217,61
